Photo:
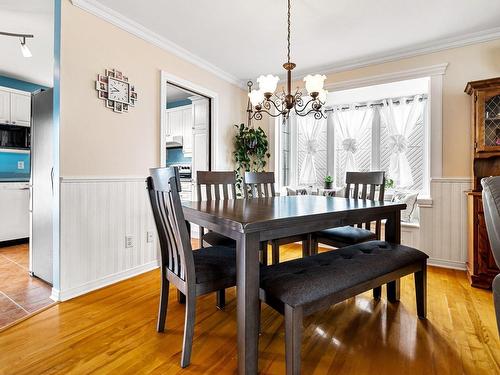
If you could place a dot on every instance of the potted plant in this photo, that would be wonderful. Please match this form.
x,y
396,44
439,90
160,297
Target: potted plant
x,y
328,182
250,152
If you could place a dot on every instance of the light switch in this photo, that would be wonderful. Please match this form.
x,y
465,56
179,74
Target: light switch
x,y
20,164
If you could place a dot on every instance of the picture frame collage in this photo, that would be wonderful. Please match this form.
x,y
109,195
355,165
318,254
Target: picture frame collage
x,y
102,87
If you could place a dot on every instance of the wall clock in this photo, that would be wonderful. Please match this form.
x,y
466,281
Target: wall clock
x,y
116,91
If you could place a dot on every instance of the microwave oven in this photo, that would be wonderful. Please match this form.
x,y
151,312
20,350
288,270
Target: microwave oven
x,y
14,137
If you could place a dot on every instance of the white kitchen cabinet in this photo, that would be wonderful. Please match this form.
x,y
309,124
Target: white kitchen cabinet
x,y
180,123
4,106
20,109
15,107
200,136
187,121
14,215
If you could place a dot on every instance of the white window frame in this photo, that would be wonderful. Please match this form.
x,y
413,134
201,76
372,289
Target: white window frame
x,y
433,139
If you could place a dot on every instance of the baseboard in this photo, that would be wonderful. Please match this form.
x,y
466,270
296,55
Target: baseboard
x,y
447,264
64,295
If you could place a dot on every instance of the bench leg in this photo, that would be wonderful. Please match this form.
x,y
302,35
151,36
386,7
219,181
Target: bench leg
x,y
221,299
275,251
306,247
377,292
313,244
263,253
293,339
181,298
421,291
393,290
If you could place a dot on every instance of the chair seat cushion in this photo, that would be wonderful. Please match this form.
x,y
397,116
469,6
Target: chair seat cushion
x,y
214,263
313,278
216,239
348,235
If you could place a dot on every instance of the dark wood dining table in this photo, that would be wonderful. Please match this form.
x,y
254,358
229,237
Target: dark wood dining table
x,y
252,221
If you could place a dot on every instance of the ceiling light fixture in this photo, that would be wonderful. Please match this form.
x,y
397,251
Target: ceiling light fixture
x,y
265,99
24,48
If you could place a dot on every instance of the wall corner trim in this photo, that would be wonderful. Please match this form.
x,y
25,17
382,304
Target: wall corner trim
x,y
134,28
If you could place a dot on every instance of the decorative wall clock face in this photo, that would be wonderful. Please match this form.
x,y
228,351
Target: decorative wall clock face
x,y
116,91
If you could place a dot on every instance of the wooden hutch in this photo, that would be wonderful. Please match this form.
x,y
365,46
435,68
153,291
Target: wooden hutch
x,y
485,111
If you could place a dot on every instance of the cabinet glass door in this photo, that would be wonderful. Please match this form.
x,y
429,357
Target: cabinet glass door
x,y
489,129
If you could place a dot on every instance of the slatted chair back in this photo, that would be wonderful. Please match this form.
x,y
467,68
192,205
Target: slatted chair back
x,y
176,252
212,185
364,185
258,185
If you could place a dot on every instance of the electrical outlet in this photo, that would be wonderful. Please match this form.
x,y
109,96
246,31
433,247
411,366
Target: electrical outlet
x,y
149,236
129,242
20,164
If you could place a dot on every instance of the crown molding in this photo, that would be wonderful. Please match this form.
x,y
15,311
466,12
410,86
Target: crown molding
x,y
426,71
125,23
404,53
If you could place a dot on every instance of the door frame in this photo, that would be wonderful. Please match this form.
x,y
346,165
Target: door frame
x,y
214,114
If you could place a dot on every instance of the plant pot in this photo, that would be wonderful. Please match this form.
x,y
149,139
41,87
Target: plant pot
x,y
328,185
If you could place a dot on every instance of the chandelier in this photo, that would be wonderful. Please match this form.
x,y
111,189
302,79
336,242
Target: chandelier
x,y
266,100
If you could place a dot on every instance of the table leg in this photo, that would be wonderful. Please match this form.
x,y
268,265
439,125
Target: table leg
x,y
393,235
247,276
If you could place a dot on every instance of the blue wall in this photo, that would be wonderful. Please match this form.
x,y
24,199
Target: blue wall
x,y
178,103
19,85
11,168
175,156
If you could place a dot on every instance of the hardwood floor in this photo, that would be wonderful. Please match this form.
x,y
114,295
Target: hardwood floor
x,y
113,331
20,294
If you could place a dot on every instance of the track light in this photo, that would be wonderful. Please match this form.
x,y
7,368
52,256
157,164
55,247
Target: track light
x,y
24,48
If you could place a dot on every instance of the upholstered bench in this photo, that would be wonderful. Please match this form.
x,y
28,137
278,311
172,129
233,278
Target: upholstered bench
x,y
303,286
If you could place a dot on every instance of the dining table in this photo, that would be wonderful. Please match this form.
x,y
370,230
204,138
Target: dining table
x,y
253,221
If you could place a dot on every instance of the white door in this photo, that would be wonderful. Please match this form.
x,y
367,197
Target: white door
x,y
4,107
20,109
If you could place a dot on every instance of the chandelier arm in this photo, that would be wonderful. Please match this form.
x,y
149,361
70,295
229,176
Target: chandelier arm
x,y
274,105
257,115
317,113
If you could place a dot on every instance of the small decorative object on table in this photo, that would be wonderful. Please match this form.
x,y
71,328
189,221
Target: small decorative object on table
x,y
328,182
116,91
389,183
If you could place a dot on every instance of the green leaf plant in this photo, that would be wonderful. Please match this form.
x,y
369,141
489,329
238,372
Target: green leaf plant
x,y
250,152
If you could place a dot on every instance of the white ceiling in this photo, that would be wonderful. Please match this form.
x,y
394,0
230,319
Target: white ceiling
x,y
30,17
247,38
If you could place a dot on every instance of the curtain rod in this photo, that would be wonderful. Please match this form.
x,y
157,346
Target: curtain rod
x,y
376,104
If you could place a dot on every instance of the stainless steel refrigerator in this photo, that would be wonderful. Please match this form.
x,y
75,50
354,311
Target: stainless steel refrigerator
x,y
41,185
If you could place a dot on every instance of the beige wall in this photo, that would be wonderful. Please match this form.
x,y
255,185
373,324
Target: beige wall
x,y
97,142
469,63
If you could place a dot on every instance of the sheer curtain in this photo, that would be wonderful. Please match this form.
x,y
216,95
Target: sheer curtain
x,y
349,125
311,129
400,121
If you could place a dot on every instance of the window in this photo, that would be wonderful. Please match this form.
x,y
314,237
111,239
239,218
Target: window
x,y
386,133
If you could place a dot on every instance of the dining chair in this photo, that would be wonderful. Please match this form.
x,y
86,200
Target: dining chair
x,y
214,185
193,273
261,185
359,185
491,202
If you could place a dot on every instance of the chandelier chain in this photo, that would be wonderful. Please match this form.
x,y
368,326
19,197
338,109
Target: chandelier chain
x,y
288,54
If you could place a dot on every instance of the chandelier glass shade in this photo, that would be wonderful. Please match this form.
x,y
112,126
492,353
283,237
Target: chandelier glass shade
x,y
266,100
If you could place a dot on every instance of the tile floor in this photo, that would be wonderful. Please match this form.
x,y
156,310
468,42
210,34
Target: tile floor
x,y
20,294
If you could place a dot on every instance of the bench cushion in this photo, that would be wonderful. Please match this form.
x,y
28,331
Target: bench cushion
x,y
214,263
313,278
348,235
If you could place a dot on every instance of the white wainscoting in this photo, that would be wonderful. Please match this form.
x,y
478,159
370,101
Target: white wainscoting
x,y
96,215
443,223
